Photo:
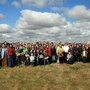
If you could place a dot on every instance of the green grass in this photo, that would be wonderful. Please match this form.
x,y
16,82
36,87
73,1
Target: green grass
x,y
49,77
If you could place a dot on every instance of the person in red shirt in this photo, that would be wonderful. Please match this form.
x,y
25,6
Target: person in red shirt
x,y
48,51
10,55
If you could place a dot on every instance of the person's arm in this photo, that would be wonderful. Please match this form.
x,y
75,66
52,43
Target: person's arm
x,y
2,54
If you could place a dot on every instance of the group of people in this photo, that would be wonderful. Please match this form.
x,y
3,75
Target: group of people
x,y
42,53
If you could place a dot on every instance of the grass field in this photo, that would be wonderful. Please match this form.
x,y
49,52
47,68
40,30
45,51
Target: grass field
x,y
49,77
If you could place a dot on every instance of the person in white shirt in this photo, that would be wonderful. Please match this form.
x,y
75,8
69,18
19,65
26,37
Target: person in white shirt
x,y
69,55
32,58
4,56
66,50
84,55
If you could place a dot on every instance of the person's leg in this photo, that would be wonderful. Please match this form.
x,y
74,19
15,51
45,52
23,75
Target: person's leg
x,y
47,61
39,61
42,61
9,61
84,59
60,59
50,60
12,61
53,58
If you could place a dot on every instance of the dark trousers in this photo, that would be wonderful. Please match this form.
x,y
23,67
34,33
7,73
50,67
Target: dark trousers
x,y
46,61
17,61
10,61
65,57
41,61
27,61
61,60
50,59
84,59
32,63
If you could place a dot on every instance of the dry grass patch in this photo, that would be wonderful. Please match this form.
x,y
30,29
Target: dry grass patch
x,y
50,77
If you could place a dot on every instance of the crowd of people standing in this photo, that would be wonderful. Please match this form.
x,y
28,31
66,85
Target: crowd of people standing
x,y
43,53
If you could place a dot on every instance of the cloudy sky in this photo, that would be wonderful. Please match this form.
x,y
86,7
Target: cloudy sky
x,y
50,20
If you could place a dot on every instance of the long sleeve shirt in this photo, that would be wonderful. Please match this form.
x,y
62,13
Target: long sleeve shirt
x,y
10,51
3,52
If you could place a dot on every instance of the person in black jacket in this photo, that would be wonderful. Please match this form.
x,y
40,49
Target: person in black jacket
x,y
53,53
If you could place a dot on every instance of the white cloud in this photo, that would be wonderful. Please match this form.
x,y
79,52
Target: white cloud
x,y
5,32
1,16
84,28
79,12
16,4
38,20
34,26
4,27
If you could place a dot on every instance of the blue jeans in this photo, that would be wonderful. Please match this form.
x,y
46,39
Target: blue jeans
x,y
10,61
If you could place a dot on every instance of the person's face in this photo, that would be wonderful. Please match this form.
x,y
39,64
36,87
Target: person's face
x,y
3,46
47,46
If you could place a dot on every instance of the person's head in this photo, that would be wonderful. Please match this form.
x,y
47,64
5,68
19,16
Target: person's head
x,y
60,45
11,45
69,52
32,54
3,46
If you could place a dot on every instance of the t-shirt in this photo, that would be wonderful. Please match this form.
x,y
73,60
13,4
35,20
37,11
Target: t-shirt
x,y
41,56
84,53
59,50
32,58
66,48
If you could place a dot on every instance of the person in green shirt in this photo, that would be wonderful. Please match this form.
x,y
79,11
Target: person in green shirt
x,y
26,53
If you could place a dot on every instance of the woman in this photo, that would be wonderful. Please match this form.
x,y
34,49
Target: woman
x,y
26,53
10,55
4,55
41,57
46,57
48,51
32,59
84,55
59,51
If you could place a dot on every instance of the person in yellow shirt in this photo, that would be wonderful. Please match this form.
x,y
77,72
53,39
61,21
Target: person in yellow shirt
x,y
59,51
